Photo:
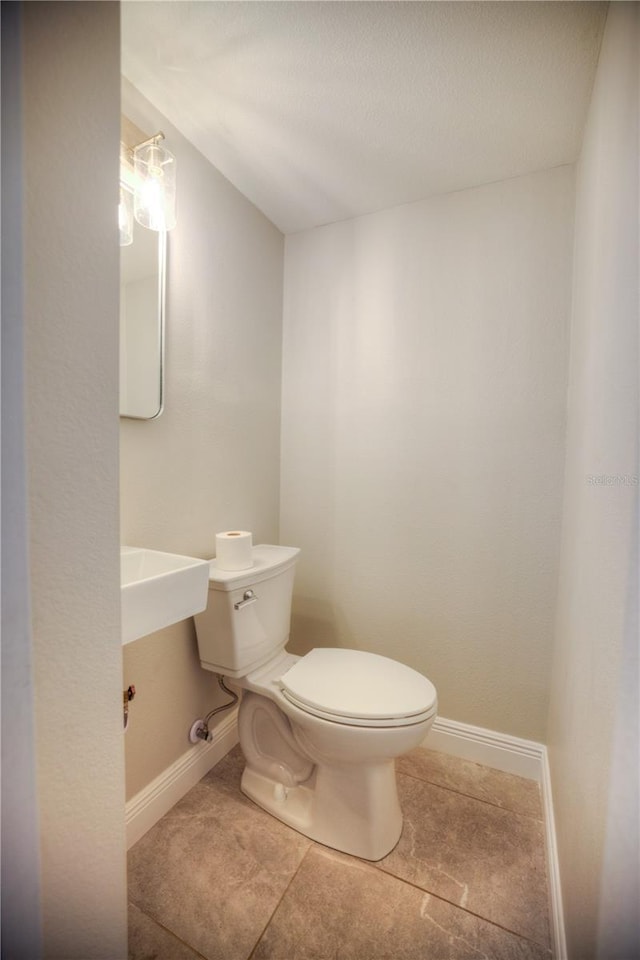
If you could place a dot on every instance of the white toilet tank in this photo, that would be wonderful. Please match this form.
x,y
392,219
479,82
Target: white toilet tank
x,y
248,613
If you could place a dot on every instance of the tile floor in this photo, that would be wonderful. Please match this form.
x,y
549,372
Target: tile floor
x,y
218,878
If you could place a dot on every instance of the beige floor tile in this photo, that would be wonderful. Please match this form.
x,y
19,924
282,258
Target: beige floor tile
x,y
148,941
474,780
226,774
488,860
213,871
338,907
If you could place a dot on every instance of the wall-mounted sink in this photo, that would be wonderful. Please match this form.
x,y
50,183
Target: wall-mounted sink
x,y
158,589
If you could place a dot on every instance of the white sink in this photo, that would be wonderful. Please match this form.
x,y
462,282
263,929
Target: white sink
x,y
158,589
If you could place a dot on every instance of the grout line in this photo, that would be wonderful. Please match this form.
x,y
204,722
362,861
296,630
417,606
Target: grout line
x,y
470,796
168,930
375,865
284,893
452,903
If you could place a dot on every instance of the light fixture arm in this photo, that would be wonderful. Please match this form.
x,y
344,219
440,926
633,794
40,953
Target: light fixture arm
x,y
156,138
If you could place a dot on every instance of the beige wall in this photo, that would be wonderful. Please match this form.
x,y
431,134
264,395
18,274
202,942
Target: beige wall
x,y
212,460
424,378
593,721
71,114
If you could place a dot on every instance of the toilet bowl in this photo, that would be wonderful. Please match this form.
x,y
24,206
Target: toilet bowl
x,y
320,732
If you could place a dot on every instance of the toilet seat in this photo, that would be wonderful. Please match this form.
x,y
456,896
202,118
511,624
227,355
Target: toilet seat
x,y
358,688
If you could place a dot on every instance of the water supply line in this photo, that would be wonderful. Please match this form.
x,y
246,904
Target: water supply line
x,y
200,729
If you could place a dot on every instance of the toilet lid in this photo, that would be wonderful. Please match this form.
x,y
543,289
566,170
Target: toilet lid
x,y
352,686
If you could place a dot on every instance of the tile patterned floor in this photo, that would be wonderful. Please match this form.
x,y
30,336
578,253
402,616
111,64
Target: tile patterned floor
x,y
218,878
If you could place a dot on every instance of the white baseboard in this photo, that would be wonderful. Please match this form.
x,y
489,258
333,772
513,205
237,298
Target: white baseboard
x,y
556,912
157,798
524,758
497,750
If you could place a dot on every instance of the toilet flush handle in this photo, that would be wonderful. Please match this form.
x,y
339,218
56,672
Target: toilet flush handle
x,y
247,598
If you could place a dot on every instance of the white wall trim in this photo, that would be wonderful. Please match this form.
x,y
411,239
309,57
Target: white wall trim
x,y
556,911
498,750
151,803
524,758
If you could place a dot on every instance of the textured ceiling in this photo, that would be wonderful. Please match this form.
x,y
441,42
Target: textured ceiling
x,y
319,111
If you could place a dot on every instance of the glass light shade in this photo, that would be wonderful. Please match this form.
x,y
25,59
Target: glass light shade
x,y
155,194
125,216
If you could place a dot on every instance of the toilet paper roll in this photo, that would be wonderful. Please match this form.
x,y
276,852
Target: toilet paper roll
x,y
233,550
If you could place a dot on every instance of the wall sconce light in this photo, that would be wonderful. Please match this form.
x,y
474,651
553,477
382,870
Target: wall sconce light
x,y
154,200
147,187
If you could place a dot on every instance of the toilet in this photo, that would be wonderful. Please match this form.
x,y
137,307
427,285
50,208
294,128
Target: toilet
x,y
320,732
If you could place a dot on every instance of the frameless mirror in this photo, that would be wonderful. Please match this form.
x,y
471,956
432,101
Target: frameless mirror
x,y
142,288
